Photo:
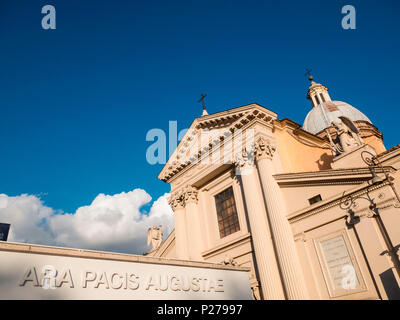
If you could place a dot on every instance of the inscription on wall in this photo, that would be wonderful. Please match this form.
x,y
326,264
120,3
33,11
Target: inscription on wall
x,y
51,278
46,276
339,264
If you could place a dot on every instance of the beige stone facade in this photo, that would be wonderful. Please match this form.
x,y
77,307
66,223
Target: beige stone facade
x,y
311,219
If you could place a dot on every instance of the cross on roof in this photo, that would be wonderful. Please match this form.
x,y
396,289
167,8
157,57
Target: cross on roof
x,y
202,100
308,72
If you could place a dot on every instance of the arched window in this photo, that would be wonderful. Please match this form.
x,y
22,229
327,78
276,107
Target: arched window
x,y
317,100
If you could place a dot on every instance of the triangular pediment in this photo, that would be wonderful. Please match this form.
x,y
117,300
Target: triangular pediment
x,y
219,125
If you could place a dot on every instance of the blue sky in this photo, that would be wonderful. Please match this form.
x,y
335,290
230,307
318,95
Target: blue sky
x,y
76,102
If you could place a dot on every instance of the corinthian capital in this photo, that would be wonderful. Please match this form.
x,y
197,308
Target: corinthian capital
x,y
244,162
180,198
190,194
176,200
244,159
264,149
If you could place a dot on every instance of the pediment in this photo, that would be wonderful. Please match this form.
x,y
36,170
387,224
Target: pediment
x,y
219,125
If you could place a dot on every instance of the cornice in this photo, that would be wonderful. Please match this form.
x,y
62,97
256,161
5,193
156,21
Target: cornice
x,y
389,154
333,201
328,177
110,256
226,246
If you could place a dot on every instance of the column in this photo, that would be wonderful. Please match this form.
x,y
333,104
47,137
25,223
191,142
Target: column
x,y
177,202
288,259
193,224
271,285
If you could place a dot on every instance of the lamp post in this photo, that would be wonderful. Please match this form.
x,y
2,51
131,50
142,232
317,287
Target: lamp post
x,y
372,161
348,202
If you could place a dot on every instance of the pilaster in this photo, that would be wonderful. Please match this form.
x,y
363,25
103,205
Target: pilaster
x,y
193,223
288,259
271,285
176,201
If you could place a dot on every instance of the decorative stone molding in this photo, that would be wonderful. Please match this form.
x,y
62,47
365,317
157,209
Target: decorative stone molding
x,y
256,292
264,149
228,260
300,237
255,287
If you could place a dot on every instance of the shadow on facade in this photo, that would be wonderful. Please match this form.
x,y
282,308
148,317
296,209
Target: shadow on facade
x,y
324,162
390,284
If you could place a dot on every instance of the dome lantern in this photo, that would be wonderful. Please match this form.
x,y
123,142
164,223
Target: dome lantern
x,y
317,93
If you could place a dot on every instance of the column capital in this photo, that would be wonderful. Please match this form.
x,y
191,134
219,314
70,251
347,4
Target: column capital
x,y
176,200
264,149
190,194
183,196
244,162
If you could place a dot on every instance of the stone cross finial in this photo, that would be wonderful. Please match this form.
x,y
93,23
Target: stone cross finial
x,y
202,101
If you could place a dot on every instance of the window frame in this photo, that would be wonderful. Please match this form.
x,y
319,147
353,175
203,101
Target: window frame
x,y
228,223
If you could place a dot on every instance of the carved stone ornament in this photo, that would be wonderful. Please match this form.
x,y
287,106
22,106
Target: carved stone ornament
x,y
244,159
255,287
177,200
256,292
244,162
229,261
180,198
191,194
264,149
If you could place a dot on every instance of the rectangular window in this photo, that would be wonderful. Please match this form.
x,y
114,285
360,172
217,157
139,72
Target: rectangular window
x,y
228,221
315,199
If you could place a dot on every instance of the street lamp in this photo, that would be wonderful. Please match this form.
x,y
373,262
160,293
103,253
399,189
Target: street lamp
x,y
347,203
372,161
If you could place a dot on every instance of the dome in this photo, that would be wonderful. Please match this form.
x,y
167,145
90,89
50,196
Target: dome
x,y
321,116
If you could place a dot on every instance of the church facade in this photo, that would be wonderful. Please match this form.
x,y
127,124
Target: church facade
x,y
312,210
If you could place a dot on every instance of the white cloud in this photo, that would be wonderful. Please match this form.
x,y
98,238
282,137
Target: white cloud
x,y
109,223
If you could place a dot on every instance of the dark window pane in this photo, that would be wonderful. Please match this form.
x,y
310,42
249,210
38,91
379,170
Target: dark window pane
x,y
315,199
228,221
